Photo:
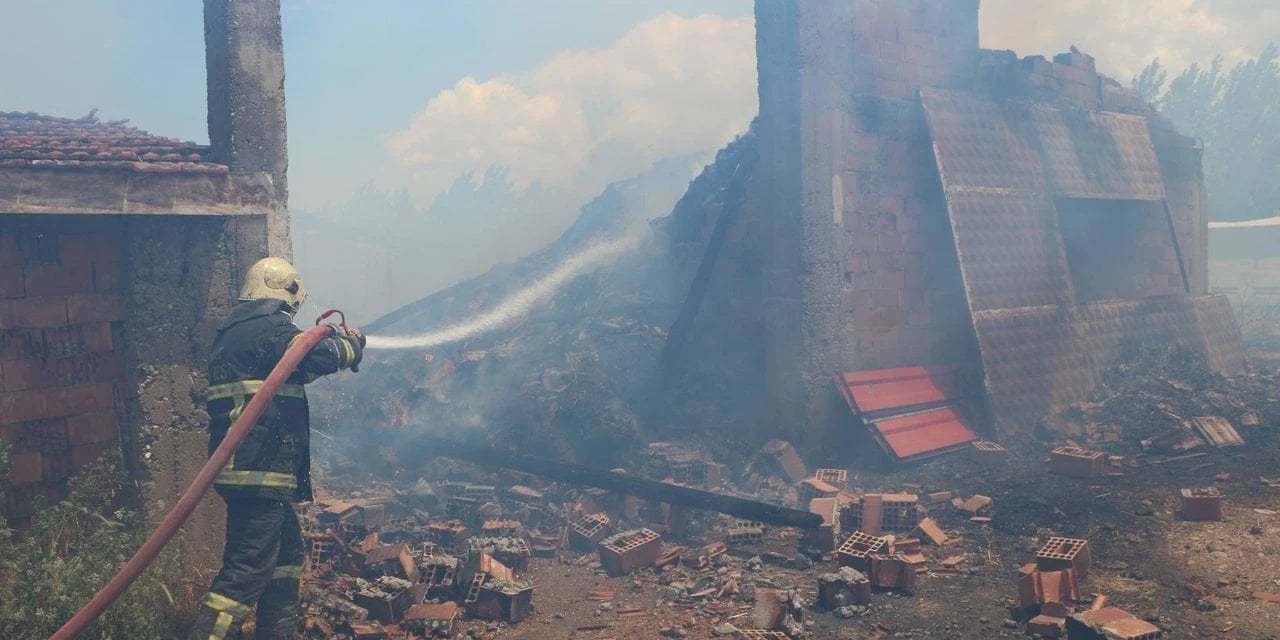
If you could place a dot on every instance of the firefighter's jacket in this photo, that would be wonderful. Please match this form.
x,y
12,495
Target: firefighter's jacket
x,y
274,461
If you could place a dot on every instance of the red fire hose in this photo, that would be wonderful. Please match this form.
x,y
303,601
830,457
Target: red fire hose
x,y
191,497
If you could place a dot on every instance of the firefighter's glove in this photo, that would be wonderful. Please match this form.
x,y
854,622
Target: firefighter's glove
x,y
353,351
358,335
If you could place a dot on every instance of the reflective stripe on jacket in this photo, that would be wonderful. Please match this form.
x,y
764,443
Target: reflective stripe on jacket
x,y
274,461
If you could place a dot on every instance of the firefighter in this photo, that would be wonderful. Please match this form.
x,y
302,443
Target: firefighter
x,y
271,471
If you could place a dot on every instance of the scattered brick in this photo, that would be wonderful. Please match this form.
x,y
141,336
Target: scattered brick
x,y
760,634
1038,587
745,535
812,488
893,572
784,457
625,552
929,528
1065,553
503,600
1047,626
989,453
1077,462
387,598
846,587
513,552
826,536
837,477
1110,623
1266,596
589,531
433,620
369,631
391,560
857,549
975,504
1201,505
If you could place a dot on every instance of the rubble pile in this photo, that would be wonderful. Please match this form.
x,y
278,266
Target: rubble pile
x,y
451,556
1166,401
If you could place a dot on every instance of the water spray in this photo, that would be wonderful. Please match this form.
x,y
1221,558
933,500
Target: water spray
x,y
515,306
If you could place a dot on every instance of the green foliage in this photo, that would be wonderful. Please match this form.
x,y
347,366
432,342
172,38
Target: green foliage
x,y
1236,114
72,549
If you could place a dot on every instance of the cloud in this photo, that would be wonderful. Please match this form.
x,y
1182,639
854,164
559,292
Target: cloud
x,y
669,87
1125,35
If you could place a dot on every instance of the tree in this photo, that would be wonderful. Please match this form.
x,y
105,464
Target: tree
x,y
1236,114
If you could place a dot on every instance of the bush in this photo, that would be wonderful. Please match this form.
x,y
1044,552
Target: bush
x,y
71,550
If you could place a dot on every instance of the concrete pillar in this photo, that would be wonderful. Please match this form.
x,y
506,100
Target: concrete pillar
x,y
244,60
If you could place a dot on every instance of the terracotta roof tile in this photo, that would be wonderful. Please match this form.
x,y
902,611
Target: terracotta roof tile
x,y
34,140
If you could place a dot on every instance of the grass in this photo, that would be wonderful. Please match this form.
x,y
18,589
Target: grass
x,y
72,548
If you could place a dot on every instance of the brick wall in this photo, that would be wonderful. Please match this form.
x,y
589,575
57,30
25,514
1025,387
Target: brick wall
x,y
62,361
862,271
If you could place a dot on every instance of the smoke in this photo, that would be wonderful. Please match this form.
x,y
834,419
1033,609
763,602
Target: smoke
x,y
516,306
1126,36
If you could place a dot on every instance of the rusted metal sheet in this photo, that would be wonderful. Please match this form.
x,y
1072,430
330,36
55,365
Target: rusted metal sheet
x,y
920,435
868,391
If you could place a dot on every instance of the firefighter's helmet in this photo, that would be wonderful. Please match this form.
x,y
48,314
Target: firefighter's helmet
x,y
274,278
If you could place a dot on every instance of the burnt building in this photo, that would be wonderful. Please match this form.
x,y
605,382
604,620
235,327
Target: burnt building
x,y
120,251
920,212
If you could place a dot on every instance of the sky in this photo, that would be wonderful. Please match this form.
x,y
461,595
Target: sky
x,y
567,93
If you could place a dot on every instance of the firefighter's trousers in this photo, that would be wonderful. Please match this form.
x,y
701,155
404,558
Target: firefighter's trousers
x,y
261,567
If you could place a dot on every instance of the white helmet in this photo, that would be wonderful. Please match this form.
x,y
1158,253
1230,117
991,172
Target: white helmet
x,y
274,278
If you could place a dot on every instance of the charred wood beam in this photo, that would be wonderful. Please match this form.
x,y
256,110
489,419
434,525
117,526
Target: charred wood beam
x,y
674,495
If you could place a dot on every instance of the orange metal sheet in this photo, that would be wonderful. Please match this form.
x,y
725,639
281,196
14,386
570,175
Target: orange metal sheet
x,y
924,434
869,391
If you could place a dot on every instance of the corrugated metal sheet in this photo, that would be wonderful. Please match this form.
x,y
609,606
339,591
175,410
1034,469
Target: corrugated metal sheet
x,y
1096,154
1001,164
1027,146
900,408
977,145
1039,358
868,391
1009,248
920,435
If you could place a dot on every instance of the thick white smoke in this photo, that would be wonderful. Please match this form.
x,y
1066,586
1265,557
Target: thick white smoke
x,y
518,304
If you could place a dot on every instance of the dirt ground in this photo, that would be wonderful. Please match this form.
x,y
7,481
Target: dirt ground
x,y
1193,579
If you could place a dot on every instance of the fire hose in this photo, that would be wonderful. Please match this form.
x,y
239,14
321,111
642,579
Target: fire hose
x,y
146,554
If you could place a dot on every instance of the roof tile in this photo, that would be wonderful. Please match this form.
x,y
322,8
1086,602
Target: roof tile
x,y
34,140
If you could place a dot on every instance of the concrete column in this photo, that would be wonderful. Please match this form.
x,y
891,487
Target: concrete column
x,y
244,60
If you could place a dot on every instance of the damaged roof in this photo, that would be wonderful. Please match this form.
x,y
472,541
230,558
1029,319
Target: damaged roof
x,y
34,140
51,165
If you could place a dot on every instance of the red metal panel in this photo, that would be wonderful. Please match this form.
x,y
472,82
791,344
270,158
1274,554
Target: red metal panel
x,y
924,434
896,388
